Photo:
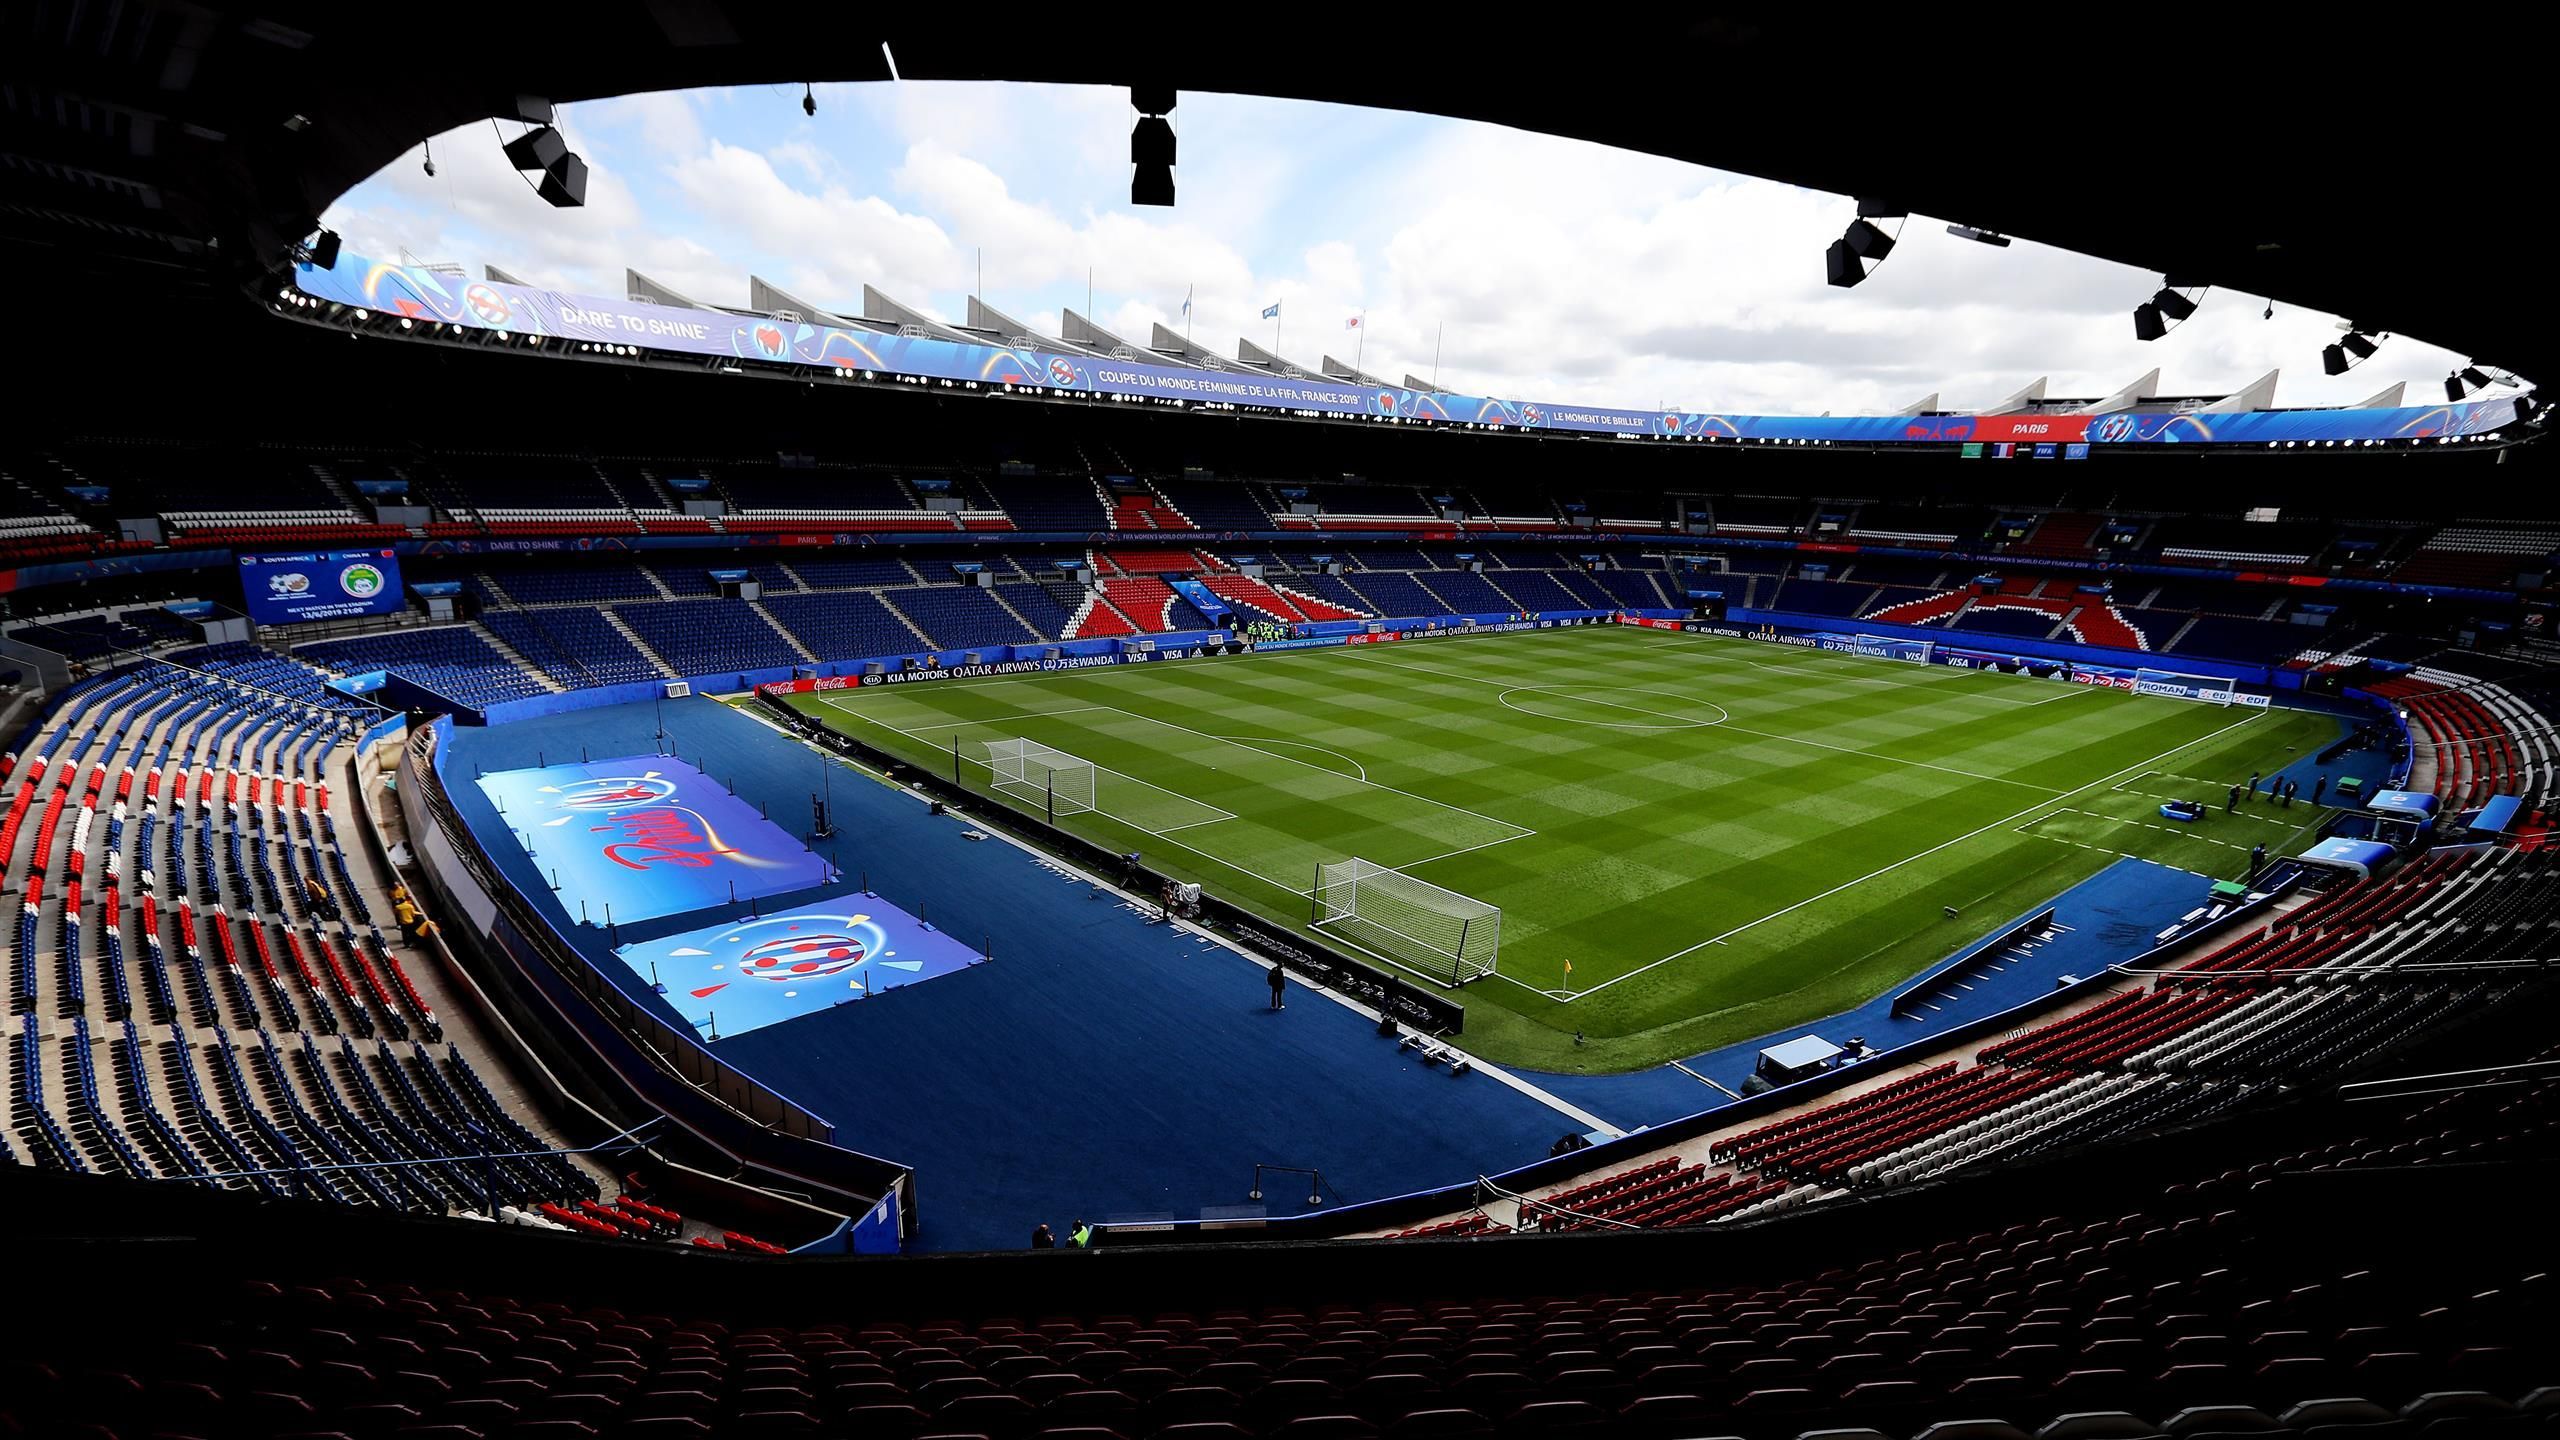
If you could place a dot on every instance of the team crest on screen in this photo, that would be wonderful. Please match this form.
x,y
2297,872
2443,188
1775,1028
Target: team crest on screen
x,y
292,582
361,581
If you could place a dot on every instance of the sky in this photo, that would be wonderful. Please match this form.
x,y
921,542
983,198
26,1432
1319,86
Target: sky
x,y
1495,261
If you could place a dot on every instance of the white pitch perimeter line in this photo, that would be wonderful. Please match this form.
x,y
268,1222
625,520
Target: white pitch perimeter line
x,y
2009,820
2029,828
1741,730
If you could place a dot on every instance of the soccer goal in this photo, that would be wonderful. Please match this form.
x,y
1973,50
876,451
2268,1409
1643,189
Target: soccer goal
x,y
1885,647
2212,690
1438,934
1043,778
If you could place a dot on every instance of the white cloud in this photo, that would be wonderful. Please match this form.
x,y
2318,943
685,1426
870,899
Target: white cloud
x,y
1559,270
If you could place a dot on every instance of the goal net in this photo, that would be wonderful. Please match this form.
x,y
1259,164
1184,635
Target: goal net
x,y
2212,690
1887,648
1439,934
1045,779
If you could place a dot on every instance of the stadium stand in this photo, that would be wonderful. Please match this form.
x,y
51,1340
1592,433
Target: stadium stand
x,y
573,645
1390,592
1049,502
842,626
1213,505
252,1022
2061,535
706,636
1039,608
841,574
2478,555
960,615
455,661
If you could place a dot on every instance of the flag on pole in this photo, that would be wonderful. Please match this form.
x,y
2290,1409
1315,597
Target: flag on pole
x,y
1186,301
1351,324
1272,312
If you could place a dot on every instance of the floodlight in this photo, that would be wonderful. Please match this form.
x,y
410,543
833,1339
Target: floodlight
x,y
1867,242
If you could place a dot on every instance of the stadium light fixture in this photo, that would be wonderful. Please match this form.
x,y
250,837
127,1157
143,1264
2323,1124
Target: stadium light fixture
x,y
2167,309
808,99
1860,248
2353,349
1152,145
2466,381
1979,235
564,174
1866,241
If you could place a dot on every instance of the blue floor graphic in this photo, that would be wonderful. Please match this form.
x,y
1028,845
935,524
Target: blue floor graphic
x,y
742,975
642,836
1096,1067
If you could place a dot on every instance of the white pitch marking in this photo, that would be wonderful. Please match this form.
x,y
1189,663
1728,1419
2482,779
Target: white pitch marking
x,y
1763,734
1256,742
1932,850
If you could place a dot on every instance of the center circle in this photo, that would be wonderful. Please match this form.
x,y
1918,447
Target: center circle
x,y
1612,708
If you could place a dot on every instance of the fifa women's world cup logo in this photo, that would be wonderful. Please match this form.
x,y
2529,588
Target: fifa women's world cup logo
x,y
788,952
605,794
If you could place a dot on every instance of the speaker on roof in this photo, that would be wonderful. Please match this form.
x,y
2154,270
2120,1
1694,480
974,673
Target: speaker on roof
x,y
564,183
1841,267
537,149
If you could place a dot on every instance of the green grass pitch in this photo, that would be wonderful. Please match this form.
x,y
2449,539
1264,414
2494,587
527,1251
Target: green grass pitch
x,y
1723,837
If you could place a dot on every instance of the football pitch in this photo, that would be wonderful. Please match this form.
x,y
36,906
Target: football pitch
x,y
1721,837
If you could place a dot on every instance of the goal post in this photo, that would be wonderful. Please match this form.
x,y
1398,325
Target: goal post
x,y
1041,777
1888,647
2211,689
1439,934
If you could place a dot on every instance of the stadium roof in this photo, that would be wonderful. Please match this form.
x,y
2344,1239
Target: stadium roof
x,y
172,133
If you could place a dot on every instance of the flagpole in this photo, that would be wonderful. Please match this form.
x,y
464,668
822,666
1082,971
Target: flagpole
x,y
1276,318
1360,346
1435,353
